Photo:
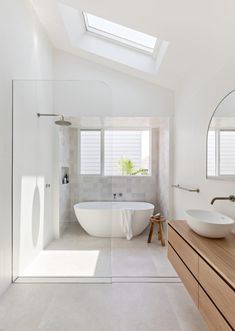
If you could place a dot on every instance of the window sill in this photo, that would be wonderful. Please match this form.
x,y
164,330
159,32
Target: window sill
x,y
229,177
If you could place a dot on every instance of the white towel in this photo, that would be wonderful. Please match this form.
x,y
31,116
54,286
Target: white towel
x,y
126,222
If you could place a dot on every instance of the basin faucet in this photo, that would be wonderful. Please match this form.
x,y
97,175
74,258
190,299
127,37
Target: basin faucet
x,y
230,198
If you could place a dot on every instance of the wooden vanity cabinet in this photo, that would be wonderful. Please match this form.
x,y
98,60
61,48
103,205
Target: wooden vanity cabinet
x,y
186,253
207,269
187,278
210,313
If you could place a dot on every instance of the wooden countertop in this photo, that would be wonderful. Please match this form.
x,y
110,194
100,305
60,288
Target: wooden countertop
x,y
218,253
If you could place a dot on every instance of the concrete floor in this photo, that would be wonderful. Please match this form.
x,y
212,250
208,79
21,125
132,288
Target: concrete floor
x,y
99,307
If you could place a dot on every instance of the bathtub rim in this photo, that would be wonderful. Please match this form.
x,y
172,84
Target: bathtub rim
x,y
85,205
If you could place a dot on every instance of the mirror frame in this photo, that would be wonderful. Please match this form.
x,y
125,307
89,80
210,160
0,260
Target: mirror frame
x,y
224,177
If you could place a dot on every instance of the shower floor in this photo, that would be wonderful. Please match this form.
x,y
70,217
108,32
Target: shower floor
x,y
76,254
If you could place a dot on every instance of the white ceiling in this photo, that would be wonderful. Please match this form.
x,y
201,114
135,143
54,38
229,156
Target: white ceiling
x,y
201,33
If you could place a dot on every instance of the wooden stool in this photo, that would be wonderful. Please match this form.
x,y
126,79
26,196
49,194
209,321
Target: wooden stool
x,y
159,220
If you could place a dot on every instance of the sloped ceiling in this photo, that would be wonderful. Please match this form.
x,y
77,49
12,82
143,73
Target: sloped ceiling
x,y
201,33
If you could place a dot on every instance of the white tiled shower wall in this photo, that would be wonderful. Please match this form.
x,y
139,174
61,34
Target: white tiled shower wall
x,y
101,188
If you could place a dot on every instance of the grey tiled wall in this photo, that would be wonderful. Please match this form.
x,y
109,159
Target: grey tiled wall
x,y
100,188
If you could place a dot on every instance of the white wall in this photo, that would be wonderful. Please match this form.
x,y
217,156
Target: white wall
x,y
25,52
129,96
33,170
192,114
88,98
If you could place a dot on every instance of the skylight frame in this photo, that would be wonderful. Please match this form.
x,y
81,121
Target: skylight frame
x,y
117,39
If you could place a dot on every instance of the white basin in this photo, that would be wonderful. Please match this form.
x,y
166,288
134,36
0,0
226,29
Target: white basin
x,y
209,223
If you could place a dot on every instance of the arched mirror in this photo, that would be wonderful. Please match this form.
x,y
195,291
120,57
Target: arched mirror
x,y
221,140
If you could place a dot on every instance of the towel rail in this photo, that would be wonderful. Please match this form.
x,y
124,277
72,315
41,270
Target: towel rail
x,y
189,189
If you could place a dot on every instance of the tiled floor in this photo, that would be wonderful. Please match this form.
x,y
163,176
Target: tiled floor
x,y
130,303
136,258
77,254
98,307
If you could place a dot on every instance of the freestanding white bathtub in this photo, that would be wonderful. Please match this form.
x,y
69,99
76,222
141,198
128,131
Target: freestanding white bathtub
x,y
104,219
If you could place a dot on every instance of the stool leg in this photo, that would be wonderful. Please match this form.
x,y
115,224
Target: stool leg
x,y
161,234
159,231
150,232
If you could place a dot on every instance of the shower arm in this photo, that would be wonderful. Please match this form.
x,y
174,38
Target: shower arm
x,y
61,121
39,115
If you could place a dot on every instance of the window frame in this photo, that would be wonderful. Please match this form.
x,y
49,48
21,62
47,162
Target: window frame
x,y
102,159
117,39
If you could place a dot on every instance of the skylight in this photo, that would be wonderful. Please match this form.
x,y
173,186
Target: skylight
x,y
119,33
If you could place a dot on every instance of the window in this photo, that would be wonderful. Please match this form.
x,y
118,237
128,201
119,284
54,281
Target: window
x,y
227,153
90,152
125,152
119,33
221,153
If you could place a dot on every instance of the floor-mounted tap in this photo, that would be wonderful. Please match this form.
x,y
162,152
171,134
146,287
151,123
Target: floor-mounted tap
x,y
230,198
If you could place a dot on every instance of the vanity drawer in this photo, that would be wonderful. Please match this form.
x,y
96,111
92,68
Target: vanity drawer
x,y
187,278
219,291
210,313
184,250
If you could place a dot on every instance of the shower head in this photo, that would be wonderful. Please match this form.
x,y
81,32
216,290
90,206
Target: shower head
x,y
60,122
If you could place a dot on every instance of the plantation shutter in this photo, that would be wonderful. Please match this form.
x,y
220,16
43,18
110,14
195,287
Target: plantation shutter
x,y
227,152
90,153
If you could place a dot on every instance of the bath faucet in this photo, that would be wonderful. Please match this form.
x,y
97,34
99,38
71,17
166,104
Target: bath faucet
x,y
117,195
230,198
